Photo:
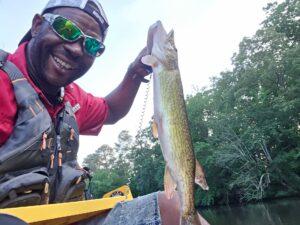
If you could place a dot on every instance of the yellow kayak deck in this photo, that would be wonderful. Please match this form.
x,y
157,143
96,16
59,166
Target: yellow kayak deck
x,y
68,213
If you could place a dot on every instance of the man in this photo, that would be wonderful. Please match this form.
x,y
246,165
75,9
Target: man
x,y
43,111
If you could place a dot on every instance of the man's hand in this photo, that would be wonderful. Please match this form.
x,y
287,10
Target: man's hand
x,y
120,99
137,69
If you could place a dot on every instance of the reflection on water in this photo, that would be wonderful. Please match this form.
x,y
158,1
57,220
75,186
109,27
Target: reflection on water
x,y
278,212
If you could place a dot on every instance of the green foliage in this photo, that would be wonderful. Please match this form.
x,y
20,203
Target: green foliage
x,y
148,164
102,158
104,181
287,165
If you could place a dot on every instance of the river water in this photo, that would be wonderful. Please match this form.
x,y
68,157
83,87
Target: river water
x,y
277,212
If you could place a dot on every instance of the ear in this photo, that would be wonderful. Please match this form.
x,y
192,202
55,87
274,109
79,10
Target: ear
x,y
36,24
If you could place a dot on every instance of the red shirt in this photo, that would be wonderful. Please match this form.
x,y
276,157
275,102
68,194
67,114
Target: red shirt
x,y
90,116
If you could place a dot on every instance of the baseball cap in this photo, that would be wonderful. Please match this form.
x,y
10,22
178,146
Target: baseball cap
x,y
95,10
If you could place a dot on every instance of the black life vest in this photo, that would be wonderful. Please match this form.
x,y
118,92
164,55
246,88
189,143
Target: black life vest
x,y
38,162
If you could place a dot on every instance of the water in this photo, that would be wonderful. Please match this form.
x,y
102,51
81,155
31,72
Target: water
x,y
278,212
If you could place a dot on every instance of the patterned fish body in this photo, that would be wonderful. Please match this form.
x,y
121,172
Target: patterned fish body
x,y
171,122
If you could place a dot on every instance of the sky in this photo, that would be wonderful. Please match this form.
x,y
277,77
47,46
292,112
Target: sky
x,y
207,34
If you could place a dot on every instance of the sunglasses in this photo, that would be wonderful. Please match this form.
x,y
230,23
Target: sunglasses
x,y
69,32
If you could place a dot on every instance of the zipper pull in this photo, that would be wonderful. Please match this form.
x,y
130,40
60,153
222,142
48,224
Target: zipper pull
x,y
59,169
52,161
72,134
44,143
60,159
46,192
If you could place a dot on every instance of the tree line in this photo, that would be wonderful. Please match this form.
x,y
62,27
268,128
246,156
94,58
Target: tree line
x,y
245,126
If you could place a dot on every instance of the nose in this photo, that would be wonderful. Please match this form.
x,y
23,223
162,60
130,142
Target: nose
x,y
75,49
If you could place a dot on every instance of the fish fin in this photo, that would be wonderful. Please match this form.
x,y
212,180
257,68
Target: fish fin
x,y
169,183
149,60
154,129
202,221
200,176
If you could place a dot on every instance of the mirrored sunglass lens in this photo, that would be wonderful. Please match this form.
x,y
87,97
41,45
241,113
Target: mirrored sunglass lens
x,y
66,29
93,46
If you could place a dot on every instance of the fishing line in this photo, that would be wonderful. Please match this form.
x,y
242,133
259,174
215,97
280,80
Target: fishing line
x,y
144,106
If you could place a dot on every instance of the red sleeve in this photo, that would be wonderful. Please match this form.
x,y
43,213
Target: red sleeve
x,y
92,111
8,108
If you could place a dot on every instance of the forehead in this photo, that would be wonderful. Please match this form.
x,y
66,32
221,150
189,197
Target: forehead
x,y
83,20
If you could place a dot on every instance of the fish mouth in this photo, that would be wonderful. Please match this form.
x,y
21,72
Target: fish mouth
x,y
160,44
156,34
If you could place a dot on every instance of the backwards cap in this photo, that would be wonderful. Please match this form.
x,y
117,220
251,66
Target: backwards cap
x,y
95,10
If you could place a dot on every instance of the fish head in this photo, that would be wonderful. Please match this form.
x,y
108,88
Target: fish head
x,y
161,45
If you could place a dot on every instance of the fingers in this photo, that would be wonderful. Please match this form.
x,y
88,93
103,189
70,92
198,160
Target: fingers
x,y
139,69
144,69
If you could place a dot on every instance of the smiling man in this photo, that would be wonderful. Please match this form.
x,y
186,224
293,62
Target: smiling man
x,y
43,112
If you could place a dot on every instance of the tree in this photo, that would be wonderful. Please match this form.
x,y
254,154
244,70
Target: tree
x,y
103,181
122,149
255,109
148,164
102,158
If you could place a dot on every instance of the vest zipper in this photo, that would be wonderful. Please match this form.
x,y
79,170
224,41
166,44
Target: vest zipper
x,y
55,168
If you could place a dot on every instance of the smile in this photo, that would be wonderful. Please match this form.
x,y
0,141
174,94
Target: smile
x,y
62,64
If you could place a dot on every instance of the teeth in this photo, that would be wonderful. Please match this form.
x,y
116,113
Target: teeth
x,y
62,64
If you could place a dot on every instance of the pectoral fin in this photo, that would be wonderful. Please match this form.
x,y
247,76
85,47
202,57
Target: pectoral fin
x,y
200,176
169,183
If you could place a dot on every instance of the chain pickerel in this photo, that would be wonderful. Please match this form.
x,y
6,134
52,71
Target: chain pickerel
x,y
170,123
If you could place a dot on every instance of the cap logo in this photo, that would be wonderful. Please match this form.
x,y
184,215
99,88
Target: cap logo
x,y
95,13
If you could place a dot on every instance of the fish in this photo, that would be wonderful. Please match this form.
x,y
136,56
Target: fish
x,y
170,123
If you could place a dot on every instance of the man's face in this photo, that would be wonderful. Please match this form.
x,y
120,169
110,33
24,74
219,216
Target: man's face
x,y
56,63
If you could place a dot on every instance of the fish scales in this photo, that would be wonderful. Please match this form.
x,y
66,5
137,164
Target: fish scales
x,y
171,123
179,154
